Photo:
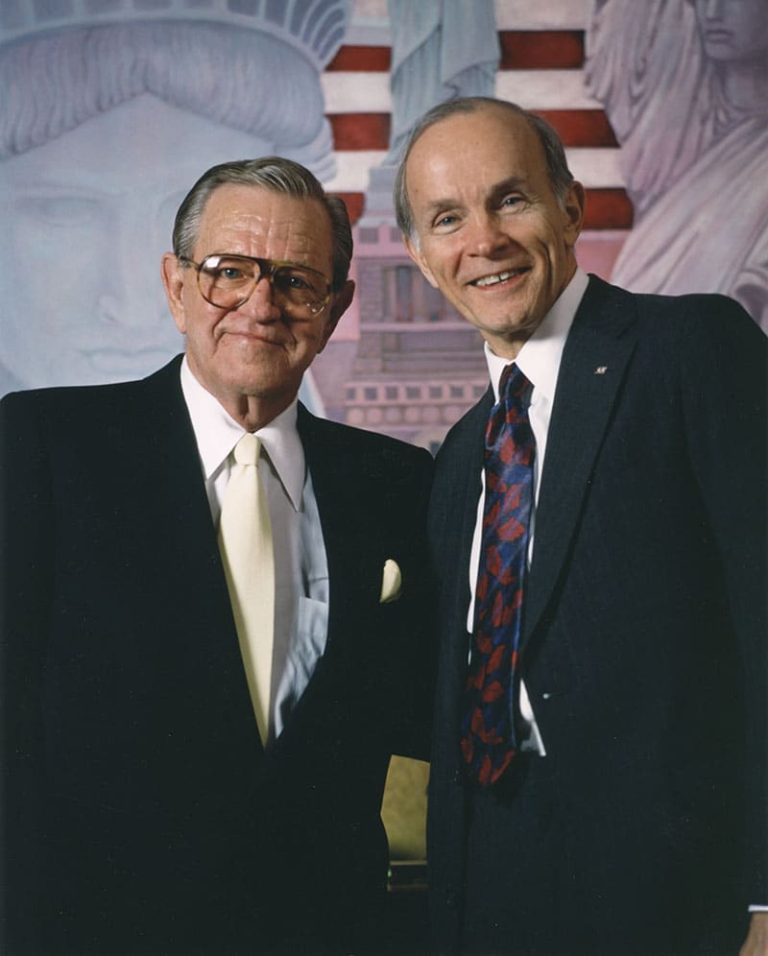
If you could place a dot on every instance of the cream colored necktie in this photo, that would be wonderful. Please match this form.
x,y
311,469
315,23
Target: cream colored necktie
x,y
245,542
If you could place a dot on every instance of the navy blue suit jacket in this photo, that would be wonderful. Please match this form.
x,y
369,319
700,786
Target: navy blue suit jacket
x,y
141,814
644,644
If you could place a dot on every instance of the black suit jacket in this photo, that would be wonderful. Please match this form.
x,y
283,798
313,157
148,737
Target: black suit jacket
x,y
644,644
141,813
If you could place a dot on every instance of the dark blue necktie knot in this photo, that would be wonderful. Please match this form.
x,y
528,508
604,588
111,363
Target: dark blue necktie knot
x,y
515,393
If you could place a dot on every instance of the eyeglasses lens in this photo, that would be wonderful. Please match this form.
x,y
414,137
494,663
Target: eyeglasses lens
x,y
227,281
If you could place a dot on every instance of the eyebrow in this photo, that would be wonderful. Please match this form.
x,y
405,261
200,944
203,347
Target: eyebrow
x,y
510,185
293,263
496,192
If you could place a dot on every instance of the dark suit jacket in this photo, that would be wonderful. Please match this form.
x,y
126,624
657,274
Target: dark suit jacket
x,y
644,643
141,813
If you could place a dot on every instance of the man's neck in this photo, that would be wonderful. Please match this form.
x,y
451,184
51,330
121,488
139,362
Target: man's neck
x,y
251,412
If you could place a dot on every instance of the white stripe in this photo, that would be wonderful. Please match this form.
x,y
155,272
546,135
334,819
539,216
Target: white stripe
x,y
533,89
370,19
352,170
541,15
356,92
595,168
545,89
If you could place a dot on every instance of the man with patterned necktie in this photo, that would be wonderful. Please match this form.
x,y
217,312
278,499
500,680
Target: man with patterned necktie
x,y
597,522
213,629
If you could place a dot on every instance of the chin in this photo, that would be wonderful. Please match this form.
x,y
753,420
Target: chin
x,y
513,326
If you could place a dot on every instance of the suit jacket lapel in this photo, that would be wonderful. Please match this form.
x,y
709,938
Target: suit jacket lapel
x,y
197,586
466,486
453,514
595,357
181,500
354,569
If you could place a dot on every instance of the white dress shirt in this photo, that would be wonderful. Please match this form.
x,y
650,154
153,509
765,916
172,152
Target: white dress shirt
x,y
539,360
301,567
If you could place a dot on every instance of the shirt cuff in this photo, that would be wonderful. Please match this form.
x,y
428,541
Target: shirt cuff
x,y
756,908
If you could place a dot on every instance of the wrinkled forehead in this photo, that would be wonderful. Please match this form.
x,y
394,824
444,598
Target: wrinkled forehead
x,y
468,151
256,221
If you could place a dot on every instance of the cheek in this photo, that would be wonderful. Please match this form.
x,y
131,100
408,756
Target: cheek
x,y
193,319
309,343
438,261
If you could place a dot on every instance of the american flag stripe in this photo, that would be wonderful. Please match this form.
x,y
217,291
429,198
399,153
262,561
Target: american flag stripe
x,y
368,91
370,131
541,69
596,168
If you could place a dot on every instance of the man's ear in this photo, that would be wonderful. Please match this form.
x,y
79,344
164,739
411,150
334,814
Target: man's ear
x,y
340,302
573,207
172,275
414,251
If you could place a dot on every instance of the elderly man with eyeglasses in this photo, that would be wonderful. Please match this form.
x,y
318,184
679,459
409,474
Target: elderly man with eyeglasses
x,y
213,627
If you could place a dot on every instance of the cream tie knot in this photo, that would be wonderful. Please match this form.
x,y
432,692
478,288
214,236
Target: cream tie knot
x,y
247,450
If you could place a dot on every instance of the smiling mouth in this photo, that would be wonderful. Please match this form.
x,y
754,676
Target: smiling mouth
x,y
497,277
250,335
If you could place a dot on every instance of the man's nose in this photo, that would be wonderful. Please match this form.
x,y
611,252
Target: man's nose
x,y
487,238
261,304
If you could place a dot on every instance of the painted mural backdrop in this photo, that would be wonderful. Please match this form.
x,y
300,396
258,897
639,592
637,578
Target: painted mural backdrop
x,y
685,86
110,110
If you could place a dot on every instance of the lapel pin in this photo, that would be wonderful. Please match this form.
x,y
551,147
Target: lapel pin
x,y
601,370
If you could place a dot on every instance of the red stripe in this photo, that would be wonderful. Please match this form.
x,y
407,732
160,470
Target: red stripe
x,y
354,203
541,49
353,131
357,59
581,127
520,50
606,208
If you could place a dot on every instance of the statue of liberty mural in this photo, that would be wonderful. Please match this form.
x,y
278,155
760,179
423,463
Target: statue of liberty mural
x,y
109,111
440,50
685,85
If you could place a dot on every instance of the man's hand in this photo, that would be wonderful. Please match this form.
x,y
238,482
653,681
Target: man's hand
x,y
756,943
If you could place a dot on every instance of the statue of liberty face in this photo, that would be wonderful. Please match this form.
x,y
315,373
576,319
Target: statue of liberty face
x,y
733,29
86,218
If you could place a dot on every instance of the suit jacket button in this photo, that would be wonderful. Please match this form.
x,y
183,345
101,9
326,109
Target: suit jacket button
x,y
451,897
458,778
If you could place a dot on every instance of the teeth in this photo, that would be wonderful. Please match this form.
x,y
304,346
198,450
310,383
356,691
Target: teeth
x,y
499,277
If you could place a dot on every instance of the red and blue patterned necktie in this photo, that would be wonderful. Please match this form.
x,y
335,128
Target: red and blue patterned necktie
x,y
488,734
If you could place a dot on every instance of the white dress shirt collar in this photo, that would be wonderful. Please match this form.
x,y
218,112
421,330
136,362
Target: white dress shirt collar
x,y
539,358
217,433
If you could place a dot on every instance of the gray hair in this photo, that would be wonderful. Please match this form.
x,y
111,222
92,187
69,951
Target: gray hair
x,y
560,177
279,175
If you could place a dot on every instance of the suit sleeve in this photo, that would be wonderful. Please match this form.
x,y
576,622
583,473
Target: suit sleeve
x,y
26,528
724,387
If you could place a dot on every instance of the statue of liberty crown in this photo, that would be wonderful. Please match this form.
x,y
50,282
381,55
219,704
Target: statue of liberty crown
x,y
315,28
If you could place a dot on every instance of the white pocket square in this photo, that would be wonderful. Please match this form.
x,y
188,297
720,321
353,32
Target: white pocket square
x,y
391,582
